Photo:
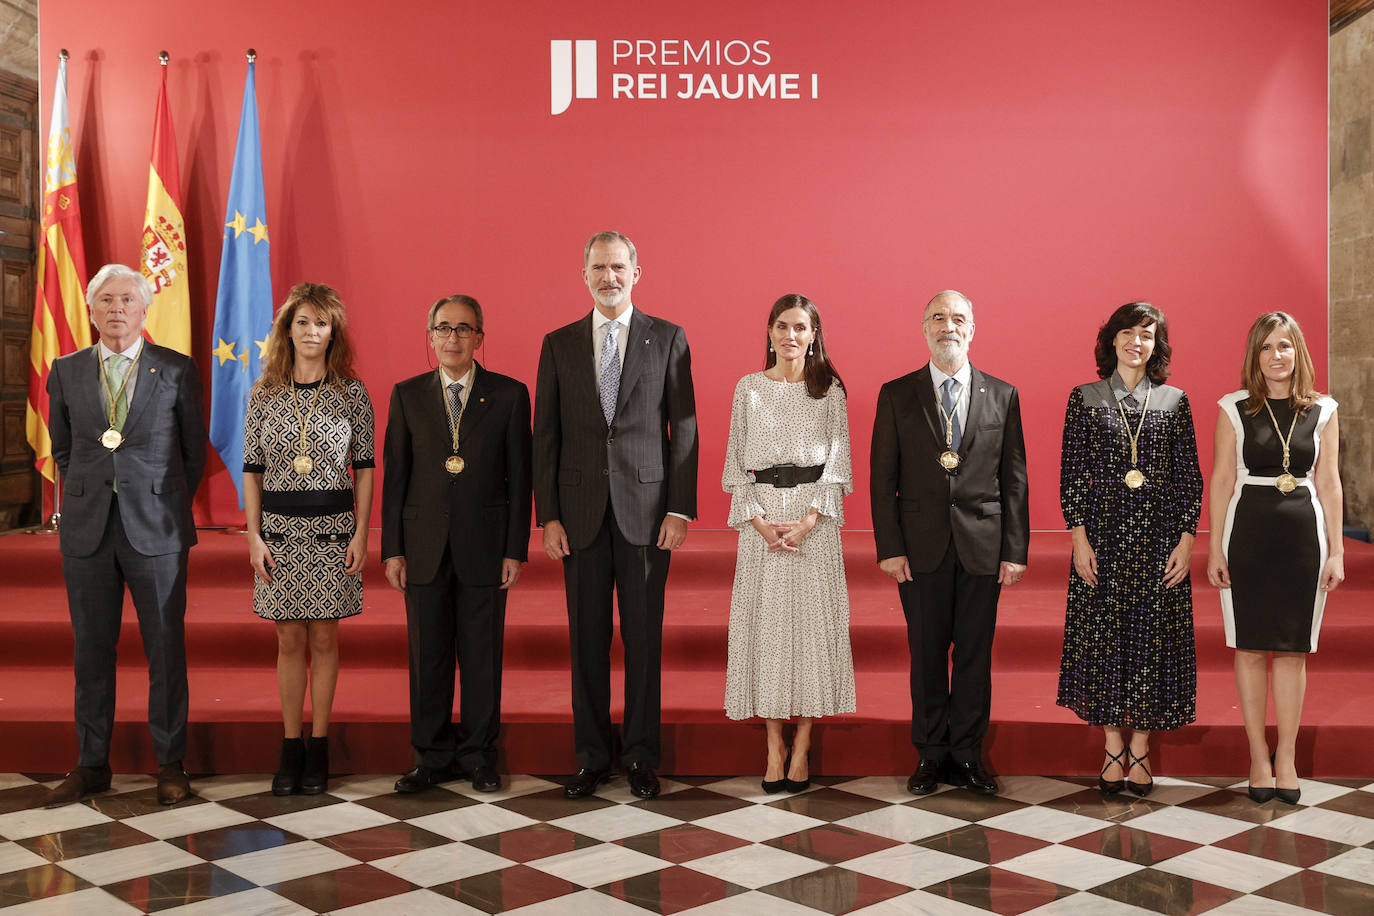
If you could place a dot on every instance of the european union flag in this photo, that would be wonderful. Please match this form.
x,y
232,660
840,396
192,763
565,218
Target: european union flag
x,y
243,305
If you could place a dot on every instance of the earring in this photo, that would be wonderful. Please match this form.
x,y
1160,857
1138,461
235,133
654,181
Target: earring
x,y
810,348
770,346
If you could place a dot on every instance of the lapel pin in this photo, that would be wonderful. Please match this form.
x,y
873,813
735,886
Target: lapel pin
x,y
152,369
982,390
481,400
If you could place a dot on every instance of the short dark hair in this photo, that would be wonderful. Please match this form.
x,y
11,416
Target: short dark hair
x,y
1131,315
457,299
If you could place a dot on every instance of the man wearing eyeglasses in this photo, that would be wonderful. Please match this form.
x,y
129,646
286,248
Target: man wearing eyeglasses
x,y
615,485
455,531
952,525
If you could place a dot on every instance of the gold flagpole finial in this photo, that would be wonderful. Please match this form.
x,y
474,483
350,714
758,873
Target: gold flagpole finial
x,y
63,55
163,56
252,55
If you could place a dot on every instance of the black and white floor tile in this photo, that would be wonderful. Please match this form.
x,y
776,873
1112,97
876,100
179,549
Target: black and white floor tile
x,y
707,847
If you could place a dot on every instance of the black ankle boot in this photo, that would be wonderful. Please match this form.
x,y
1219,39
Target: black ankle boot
x,y
287,780
315,775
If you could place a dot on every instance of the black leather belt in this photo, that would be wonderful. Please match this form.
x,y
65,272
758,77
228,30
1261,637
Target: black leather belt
x,y
785,476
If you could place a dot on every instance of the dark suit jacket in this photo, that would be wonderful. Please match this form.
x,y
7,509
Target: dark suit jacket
x,y
158,465
483,514
918,507
646,465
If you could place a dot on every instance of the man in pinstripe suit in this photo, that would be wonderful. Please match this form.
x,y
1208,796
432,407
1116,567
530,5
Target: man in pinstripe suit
x,y
615,475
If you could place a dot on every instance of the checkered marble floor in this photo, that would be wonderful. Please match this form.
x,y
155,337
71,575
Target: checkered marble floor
x,y
706,846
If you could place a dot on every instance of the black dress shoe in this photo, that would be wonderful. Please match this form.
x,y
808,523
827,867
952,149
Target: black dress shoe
x,y
1260,795
422,777
172,784
974,778
79,783
644,783
584,783
484,779
926,777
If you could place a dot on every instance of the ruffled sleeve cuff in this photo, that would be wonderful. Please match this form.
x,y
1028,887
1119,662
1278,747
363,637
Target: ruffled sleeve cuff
x,y
744,508
829,502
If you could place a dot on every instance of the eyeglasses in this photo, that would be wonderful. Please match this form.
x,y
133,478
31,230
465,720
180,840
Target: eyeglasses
x,y
445,331
941,318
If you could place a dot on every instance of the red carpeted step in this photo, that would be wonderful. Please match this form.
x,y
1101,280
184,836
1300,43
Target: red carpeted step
x,y
234,697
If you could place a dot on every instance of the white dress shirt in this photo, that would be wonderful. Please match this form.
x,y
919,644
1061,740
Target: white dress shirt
x,y
132,353
599,329
963,377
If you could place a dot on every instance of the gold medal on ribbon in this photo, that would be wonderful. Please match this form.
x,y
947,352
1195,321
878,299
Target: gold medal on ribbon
x,y
1286,482
302,464
111,438
454,464
949,460
1134,478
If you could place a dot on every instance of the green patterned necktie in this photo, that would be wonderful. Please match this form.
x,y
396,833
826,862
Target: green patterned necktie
x,y
115,367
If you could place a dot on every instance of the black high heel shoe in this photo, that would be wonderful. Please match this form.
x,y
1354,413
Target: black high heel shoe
x,y
1287,796
799,785
1260,795
774,786
1139,788
1112,786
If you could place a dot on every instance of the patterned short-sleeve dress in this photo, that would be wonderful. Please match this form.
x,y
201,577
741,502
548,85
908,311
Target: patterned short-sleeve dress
x,y
308,519
1275,544
789,649
1129,658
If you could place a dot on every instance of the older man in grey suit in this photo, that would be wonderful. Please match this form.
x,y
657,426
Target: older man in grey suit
x,y
615,482
129,438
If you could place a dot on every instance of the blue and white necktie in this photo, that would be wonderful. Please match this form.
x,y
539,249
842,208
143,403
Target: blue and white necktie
x,y
951,403
610,372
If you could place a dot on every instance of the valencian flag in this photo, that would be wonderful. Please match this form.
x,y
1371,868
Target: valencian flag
x,y
163,253
61,323
243,305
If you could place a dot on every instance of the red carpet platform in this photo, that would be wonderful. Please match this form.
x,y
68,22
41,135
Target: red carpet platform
x,y
235,715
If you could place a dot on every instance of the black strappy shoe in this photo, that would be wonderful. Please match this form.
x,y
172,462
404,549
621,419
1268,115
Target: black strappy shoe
x,y
1112,786
1139,788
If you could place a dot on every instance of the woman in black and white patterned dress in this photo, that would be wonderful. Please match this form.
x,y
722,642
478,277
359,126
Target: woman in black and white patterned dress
x,y
309,422
1275,550
787,471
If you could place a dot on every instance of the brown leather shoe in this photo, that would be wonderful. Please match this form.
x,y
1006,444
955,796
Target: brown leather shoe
x,y
172,784
79,783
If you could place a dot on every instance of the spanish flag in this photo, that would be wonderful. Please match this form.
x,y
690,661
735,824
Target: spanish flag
x,y
163,257
61,324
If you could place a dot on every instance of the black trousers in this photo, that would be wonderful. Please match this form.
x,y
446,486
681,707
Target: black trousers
x,y
450,625
637,575
95,600
951,691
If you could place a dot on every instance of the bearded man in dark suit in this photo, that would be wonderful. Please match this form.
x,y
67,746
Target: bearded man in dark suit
x,y
951,521
128,435
615,481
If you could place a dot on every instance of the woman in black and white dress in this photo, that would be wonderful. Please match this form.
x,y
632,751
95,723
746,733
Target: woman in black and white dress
x,y
787,470
1275,549
309,423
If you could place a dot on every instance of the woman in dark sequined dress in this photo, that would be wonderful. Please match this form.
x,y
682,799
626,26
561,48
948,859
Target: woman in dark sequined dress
x,y
1131,492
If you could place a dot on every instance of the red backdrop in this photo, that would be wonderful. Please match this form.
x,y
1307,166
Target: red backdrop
x,y
1052,160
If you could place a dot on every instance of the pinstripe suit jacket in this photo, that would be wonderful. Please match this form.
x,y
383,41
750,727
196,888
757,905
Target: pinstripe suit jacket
x,y
644,462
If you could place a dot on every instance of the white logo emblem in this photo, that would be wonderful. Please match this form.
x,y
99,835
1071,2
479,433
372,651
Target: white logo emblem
x,y
562,64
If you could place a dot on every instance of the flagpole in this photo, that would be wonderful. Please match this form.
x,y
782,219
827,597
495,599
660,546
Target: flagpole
x,y
53,522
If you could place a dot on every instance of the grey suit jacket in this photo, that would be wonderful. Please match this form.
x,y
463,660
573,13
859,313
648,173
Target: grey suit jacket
x,y
918,507
158,466
482,513
645,463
